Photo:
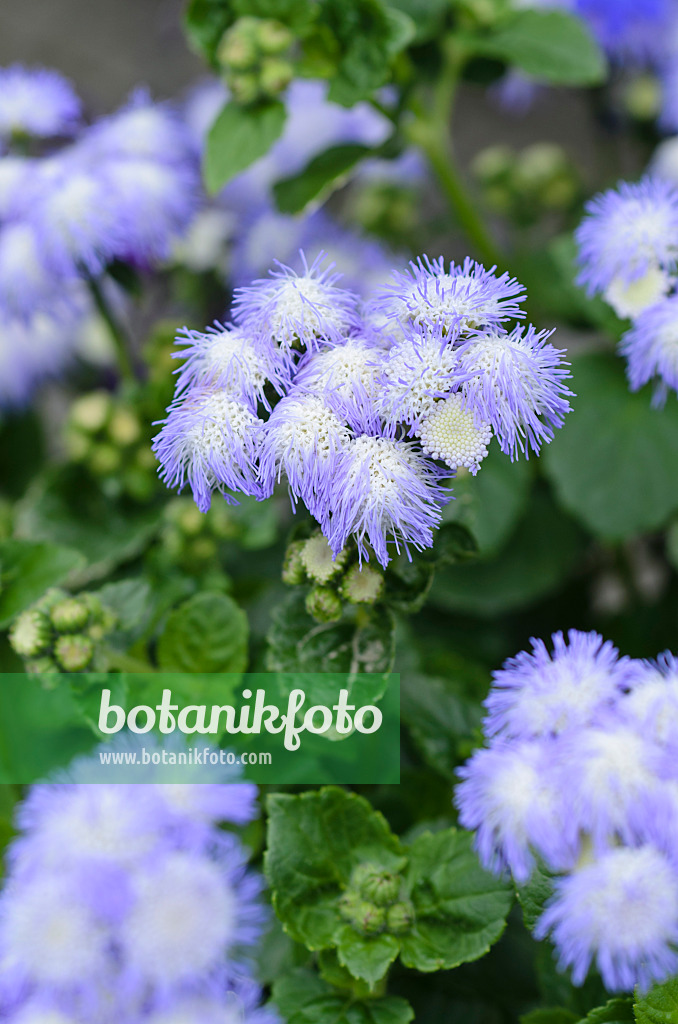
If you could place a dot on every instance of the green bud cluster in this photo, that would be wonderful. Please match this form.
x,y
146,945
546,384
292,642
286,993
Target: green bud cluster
x,y
61,633
255,61
105,434
191,538
525,185
334,581
372,902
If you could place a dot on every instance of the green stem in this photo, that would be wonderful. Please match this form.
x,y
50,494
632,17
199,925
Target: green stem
x,y
431,132
118,336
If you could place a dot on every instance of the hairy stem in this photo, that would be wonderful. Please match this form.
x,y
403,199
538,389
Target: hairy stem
x,y
118,336
431,132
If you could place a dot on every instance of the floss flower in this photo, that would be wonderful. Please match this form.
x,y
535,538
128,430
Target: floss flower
x,y
651,349
374,412
144,914
37,102
579,774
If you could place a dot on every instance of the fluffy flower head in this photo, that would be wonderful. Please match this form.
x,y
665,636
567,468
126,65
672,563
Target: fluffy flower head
x,y
37,102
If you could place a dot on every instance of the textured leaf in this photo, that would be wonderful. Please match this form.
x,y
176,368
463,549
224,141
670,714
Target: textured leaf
x,y
491,503
553,46
207,633
659,1006
304,998
550,1015
319,178
534,894
297,643
366,958
28,569
239,136
613,463
314,842
460,909
441,719
616,1011
539,555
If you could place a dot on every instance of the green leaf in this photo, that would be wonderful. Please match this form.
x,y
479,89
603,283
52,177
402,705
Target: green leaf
x,y
207,633
366,958
425,15
86,694
659,1006
65,507
491,503
441,720
28,569
540,554
296,643
552,46
534,894
367,35
314,842
304,998
205,22
239,136
613,463
296,14
130,601
460,909
323,174
616,1011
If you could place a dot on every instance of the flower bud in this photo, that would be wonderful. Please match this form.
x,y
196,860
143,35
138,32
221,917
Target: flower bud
x,y
318,561
44,666
70,615
365,917
376,885
275,76
90,413
104,459
399,918
237,49
74,653
124,427
273,37
362,585
323,605
245,88
31,633
293,568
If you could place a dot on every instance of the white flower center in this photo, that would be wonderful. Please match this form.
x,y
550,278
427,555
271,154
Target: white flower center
x,y
449,433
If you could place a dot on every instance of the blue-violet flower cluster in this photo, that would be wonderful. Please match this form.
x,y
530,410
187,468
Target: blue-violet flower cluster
x,y
121,189
580,777
129,903
628,252
364,408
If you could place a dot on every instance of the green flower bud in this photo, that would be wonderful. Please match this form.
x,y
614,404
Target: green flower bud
x,y
221,522
237,49
375,884
31,633
538,163
643,98
245,88
139,483
365,917
275,75
124,427
318,561
399,918
104,459
323,605
90,413
190,520
362,586
70,615
273,37
493,164
50,598
293,572
44,666
74,653
201,549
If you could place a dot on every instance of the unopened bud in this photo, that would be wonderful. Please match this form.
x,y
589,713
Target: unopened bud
x,y
323,605
362,585
69,616
375,884
275,76
124,427
293,572
90,413
273,37
399,918
318,560
31,633
74,653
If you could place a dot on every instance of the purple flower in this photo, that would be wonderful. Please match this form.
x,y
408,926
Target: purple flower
x,y
210,442
652,703
26,283
289,309
156,201
383,491
540,694
628,232
515,382
651,349
37,102
630,30
511,797
16,173
141,130
619,913
32,351
344,376
414,372
465,297
224,356
304,440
